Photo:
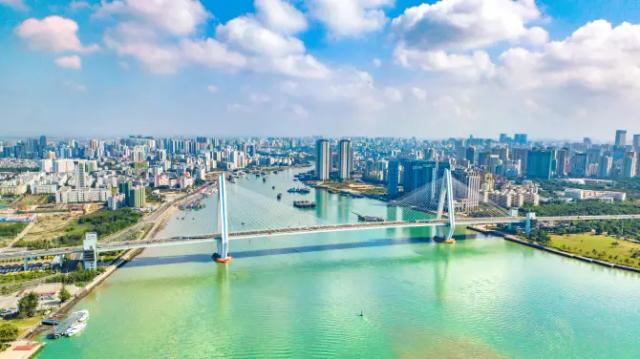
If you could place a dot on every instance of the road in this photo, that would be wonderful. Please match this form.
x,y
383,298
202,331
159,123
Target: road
x,y
211,237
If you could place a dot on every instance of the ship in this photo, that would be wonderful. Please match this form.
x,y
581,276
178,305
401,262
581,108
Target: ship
x,y
304,204
362,218
300,190
74,324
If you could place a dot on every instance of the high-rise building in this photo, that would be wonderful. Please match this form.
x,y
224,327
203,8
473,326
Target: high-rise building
x,y
636,143
629,166
323,160
604,166
472,155
417,174
345,160
539,163
393,175
504,138
125,187
621,138
81,176
521,154
137,197
467,194
579,164
562,161
520,138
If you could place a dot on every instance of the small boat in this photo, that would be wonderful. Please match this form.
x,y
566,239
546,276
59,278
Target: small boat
x,y
273,187
75,329
279,196
264,179
304,204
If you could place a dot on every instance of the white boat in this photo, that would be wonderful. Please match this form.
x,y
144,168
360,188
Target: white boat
x,y
75,329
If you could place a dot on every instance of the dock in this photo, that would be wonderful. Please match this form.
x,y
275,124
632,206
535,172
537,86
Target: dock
x,y
58,330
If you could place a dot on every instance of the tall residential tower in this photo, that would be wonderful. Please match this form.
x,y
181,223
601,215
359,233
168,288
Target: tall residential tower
x,y
345,160
323,162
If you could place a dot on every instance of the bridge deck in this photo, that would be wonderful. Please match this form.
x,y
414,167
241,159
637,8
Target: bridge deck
x,y
210,237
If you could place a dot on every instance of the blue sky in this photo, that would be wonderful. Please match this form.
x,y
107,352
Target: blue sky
x,y
555,69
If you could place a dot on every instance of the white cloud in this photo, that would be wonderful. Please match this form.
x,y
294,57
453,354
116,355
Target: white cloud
x,y
376,62
15,4
162,35
465,24
140,42
53,33
69,62
76,5
213,88
475,65
393,94
303,66
596,57
280,16
175,17
211,53
247,34
418,93
350,18
269,51
537,36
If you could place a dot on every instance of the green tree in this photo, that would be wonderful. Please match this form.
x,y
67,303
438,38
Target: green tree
x,y
64,294
28,305
8,332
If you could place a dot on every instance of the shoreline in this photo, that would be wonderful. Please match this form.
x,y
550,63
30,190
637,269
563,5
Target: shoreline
x,y
514,239
86,290
158,225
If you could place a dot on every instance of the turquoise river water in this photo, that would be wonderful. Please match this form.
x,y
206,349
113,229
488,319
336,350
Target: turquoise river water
x,y
302,296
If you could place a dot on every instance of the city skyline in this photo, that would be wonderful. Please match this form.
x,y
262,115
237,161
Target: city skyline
x,y
554,70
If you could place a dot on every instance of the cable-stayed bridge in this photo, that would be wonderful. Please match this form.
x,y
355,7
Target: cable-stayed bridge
x,y
444,216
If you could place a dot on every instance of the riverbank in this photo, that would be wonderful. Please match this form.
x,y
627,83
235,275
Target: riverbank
x,y
160,220
65,307
539,246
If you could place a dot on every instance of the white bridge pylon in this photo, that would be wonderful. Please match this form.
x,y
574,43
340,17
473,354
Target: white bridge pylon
x,y
446,190
222,256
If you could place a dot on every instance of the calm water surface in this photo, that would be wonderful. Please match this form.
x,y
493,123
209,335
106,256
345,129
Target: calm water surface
x,y
301,296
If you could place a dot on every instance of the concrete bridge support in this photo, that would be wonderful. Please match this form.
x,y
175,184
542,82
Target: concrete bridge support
x,y
222,256
531,216
446,192
89,253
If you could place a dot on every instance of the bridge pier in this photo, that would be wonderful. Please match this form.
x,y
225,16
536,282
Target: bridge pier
x,y
89,253
222,256
531,216
25,264
446,192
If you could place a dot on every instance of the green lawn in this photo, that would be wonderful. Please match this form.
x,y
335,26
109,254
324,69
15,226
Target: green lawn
x,y
19,277
8,230
601,247
25,324
104,223
31,199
